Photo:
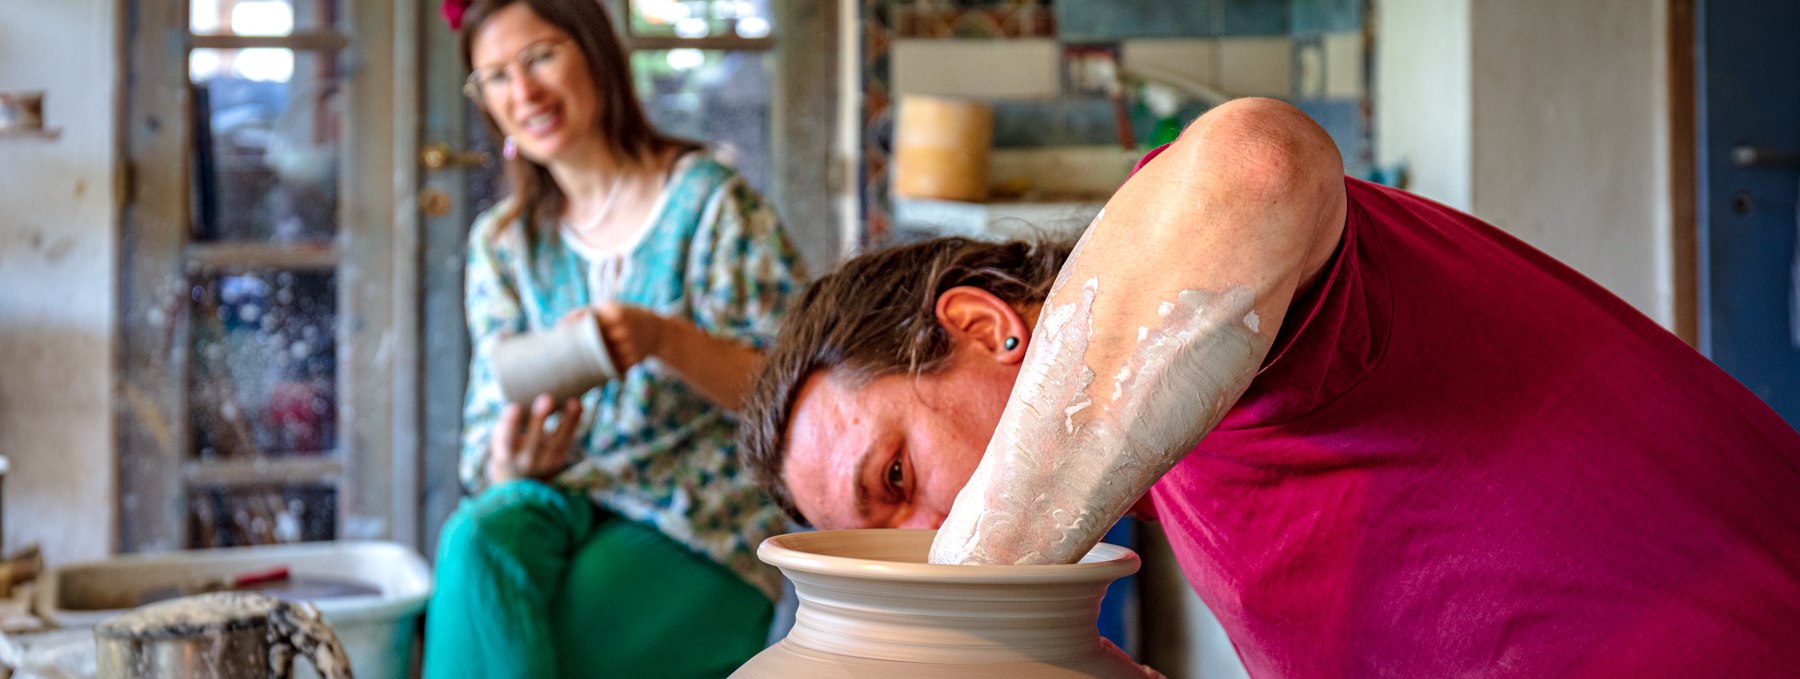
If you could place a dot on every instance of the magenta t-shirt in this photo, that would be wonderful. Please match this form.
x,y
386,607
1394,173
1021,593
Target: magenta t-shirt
x,y
1465,459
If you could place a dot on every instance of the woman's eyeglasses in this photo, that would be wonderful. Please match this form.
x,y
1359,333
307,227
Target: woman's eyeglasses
x,y
535,61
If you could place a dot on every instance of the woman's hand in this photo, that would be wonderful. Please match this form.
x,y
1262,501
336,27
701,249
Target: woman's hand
x,y
524,447
632,333
719,368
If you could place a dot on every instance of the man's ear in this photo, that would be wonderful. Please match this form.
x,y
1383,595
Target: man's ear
x,y
976,319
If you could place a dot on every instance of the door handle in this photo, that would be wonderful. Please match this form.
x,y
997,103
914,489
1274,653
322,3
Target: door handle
x,y
434,203
1752,156
438,156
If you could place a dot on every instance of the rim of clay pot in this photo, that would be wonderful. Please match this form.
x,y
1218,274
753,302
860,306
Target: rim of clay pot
x,y
826,552
193,616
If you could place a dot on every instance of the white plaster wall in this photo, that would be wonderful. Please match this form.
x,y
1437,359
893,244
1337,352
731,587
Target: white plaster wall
x,y
1570,140
1547,118
977,69
57,277
1422,95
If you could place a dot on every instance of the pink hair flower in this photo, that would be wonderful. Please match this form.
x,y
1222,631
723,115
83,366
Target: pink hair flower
x,y
453,11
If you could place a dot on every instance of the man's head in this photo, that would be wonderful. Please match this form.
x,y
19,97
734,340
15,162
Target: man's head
x,y
889,377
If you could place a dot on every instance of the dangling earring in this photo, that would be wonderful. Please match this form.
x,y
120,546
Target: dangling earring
x,y
510,149
1012,343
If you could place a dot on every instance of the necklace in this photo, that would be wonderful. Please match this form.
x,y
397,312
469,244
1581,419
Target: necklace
x,y
612,194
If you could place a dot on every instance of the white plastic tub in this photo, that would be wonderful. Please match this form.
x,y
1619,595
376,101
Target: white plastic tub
x,y
378,631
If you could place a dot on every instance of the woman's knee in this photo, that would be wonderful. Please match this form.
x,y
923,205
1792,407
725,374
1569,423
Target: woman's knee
x,y
517,519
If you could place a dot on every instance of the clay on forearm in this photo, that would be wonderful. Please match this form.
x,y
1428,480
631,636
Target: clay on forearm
x,y
1097,416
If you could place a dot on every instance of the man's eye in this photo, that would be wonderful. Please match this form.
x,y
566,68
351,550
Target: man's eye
x,y
896,476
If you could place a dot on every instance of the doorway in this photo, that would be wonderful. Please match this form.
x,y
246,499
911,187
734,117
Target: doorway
x,y
1747,164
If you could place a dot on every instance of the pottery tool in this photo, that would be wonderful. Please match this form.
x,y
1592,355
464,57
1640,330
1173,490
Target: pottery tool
x,y
249,580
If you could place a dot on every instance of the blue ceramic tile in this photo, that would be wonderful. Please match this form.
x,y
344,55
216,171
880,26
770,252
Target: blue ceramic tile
x,y
1106,20
1254,17
1327,16
1059,122
1343,120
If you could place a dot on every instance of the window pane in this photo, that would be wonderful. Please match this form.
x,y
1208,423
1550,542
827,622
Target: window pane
x,y
267,132
263,365
701,18
261,515
715,97
262,17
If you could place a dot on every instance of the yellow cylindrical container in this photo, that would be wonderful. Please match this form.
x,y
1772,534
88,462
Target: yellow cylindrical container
x,y
941,148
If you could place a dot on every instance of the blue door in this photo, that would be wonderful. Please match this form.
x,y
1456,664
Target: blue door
x,y
1747,71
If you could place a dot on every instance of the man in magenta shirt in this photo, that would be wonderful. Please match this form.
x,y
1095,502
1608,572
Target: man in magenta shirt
x,y
1385,438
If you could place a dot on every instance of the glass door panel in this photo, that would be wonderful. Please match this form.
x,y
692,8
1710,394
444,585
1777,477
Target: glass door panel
x,y
268,137
716,97
701,18
238,516
262,17
263,365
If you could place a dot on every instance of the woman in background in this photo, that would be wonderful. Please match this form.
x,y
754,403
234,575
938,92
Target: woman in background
x,y
612,534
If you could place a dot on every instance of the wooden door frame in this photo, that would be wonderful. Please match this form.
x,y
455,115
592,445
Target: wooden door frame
x,y
1683,176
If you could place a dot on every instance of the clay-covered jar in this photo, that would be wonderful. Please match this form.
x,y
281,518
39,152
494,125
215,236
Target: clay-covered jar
x,y
872,607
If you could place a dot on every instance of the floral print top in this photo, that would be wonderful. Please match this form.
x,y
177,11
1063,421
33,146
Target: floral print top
x,y
650,447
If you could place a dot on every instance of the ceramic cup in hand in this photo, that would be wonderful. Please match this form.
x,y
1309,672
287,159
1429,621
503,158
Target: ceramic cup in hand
x,y
564,362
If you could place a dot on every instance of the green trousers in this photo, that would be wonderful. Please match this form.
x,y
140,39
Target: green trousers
x,y
535,581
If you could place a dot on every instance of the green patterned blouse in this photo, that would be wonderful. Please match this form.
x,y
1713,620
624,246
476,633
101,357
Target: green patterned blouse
x,y
651,448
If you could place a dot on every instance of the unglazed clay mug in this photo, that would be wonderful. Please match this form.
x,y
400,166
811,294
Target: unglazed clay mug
x,y
564,362
872,608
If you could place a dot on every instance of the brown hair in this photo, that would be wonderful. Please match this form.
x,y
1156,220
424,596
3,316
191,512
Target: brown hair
x,y
624,128
876,315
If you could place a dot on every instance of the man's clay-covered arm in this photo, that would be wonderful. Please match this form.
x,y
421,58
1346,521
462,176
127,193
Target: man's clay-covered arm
x,y
1153,330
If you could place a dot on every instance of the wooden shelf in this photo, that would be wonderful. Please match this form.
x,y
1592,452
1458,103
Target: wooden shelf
x,y
999,220
260,471
248,256
717,42
297,41
44,133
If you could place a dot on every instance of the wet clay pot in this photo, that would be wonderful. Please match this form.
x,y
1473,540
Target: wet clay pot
x,y
870,606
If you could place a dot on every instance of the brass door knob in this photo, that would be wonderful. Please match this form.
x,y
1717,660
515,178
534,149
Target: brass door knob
x,y
438,155
434,203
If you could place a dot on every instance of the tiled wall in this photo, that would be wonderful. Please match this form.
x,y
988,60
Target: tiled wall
x,y
1013,53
